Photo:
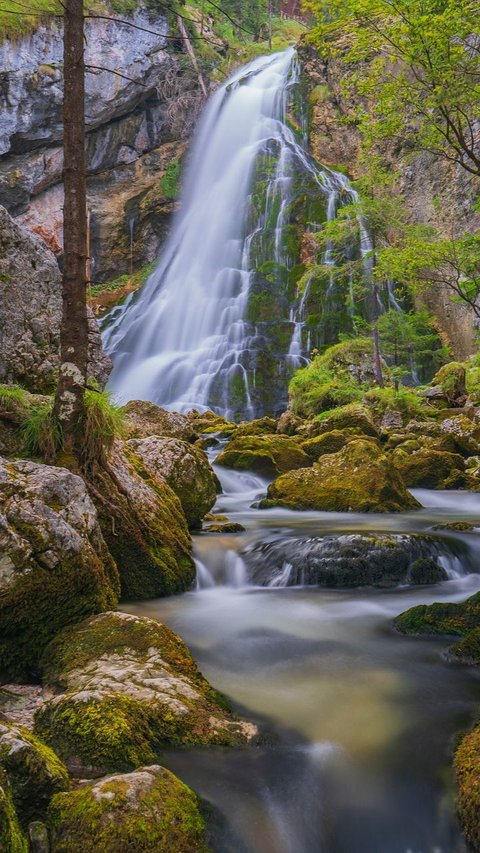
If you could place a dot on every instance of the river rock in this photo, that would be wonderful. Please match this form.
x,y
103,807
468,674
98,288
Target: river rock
x,y
461,619
346,561
467,770
143,419
355,418
264,454
31,310
147,810
130,687
430,469
144,526
186,469
288,423
34,772
359,478
54,566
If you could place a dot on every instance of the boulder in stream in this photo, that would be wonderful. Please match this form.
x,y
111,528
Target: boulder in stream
x,y
143,419
351,560
185,468
264,454
146,810
129,686
359,478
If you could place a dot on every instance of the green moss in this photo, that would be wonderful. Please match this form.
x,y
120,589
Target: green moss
x,y
429,469
338,377
451,378
265,454
170,182
34,772
112,733
351,417
329,442
467,768
12,838
357,478
426,571
145,531
156,813
461,619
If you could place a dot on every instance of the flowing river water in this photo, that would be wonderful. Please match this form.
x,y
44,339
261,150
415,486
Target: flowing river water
x,y
360,720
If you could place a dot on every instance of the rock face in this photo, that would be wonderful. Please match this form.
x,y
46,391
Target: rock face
x,y
346,561
144,526
186,469
130,686
358,478
55,567
148,810
30,312
130,135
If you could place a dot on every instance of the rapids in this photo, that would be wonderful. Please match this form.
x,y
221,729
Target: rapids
x,y
360,719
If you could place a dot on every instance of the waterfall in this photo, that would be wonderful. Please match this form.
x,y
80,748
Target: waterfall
x,y
187,339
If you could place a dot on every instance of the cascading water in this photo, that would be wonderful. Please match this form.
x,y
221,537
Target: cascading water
x,y
200,333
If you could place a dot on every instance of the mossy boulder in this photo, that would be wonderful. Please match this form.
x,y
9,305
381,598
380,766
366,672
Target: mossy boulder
x,y
429,469
467,770
355,418
351,560
208,422
34,772
289,423
54,565
331,442
185,468
144,526
451,378
426,570
12,839
358,478
265,454
130,686
463,433
147,810
143,419
449,619
259,426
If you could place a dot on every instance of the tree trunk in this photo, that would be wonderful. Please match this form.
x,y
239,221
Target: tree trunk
x,y
377,361
69,398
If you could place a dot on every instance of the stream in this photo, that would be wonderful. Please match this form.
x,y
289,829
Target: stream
x,y
359,720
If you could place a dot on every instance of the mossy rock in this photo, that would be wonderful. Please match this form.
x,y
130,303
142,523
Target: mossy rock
x,y
356,418
264,454
184,468
451,378
143,419
148,810
34,772
426,570
208,422
332,442
429,469
144,526
12,839
358,478
130,687
55,566
467,770
456,526
260,426
289,423
449,619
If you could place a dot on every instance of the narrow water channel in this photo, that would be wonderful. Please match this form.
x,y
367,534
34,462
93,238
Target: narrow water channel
x,y
360,721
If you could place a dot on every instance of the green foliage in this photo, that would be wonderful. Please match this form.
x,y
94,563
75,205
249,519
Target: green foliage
x,y
410,343
170,182
42,433
402,400
416,63
12,398
103,422
327,382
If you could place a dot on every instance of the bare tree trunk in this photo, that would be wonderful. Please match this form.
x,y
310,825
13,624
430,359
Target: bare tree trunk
x,y
377,361
69,398
191,53
270,24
